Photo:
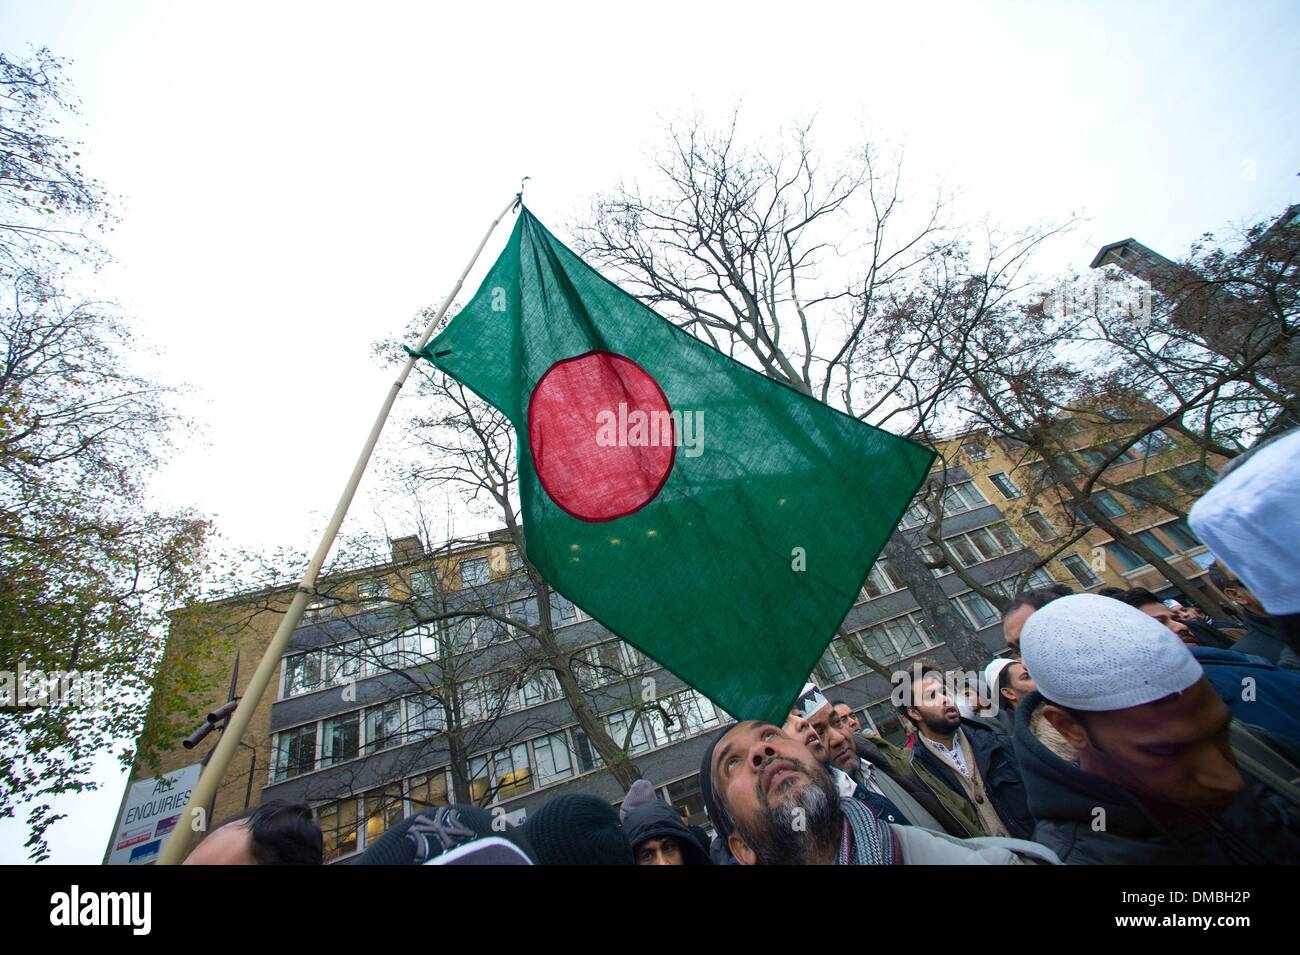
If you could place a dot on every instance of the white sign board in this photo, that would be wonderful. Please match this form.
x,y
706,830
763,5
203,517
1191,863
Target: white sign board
x,y
153,807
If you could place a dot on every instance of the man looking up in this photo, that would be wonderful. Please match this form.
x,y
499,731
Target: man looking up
x,y
774,804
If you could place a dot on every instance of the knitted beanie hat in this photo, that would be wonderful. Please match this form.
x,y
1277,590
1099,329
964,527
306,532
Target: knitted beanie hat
x,y
577,830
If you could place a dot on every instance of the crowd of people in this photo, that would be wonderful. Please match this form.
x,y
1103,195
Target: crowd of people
x,y
1116,728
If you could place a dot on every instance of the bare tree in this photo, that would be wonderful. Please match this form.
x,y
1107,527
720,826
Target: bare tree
x,y
467,443
805,275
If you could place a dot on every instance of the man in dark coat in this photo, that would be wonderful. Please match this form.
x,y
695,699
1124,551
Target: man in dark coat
x,y
658,834
1155,771
1262,638
974,761
1258,693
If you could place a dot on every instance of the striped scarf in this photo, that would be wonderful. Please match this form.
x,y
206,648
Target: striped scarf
x,y
866,840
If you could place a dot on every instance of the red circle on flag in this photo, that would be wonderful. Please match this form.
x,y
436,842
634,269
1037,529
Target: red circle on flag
x,y
601,436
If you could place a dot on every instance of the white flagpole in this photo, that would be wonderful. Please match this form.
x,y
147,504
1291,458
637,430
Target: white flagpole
x,y
177,844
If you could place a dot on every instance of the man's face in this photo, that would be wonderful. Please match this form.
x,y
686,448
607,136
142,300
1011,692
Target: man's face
x,y
1019,684
232,844
1241,595
935,709
1175,753
796,727
1013,623
780,798
1170,619
848,719
840,751
665,851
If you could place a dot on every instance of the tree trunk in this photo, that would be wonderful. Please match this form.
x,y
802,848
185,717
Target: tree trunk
x,y
944,620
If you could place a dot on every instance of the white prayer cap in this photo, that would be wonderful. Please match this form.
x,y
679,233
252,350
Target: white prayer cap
x,y
1251,521
1096,654
994,670
810,701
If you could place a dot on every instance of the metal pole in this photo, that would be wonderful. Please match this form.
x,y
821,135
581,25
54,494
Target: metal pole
x,y
174,849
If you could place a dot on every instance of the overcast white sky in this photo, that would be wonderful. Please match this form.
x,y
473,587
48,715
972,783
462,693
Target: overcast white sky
x,y
297,180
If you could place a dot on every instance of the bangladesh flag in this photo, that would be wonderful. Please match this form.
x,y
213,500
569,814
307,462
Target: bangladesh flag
x,y
720,522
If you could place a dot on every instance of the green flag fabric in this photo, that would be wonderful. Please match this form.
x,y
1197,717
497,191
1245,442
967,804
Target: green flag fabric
x,y
719,521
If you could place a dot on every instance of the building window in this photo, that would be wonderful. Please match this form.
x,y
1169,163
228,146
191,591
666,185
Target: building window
x,y
425,715
994,540
915,516
884,717
473,572
372,589
302,673
562,610
1180,535
315,610
526,610
340,738
1154,443
383,726
1148,489
877,645
685,797
1154,544
1040,578
295,752
1041,526
1006,487
422,583
583,748
931,554
343,663
981,613
630,739
500,694
504,775
553,759
829,669
457,634
962,497
1107,504
1128,560
543,687
964,551
976,452
384,808
1193,478
1096,456
339,827
1080,571
881,580
429,790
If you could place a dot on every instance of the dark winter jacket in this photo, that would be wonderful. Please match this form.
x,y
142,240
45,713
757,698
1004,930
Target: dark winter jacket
x,y
1261,826
1273,700
658,820
1263,640
995,758
897,765
1206,634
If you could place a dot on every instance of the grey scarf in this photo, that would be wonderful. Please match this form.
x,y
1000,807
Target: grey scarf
x,y
866,840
